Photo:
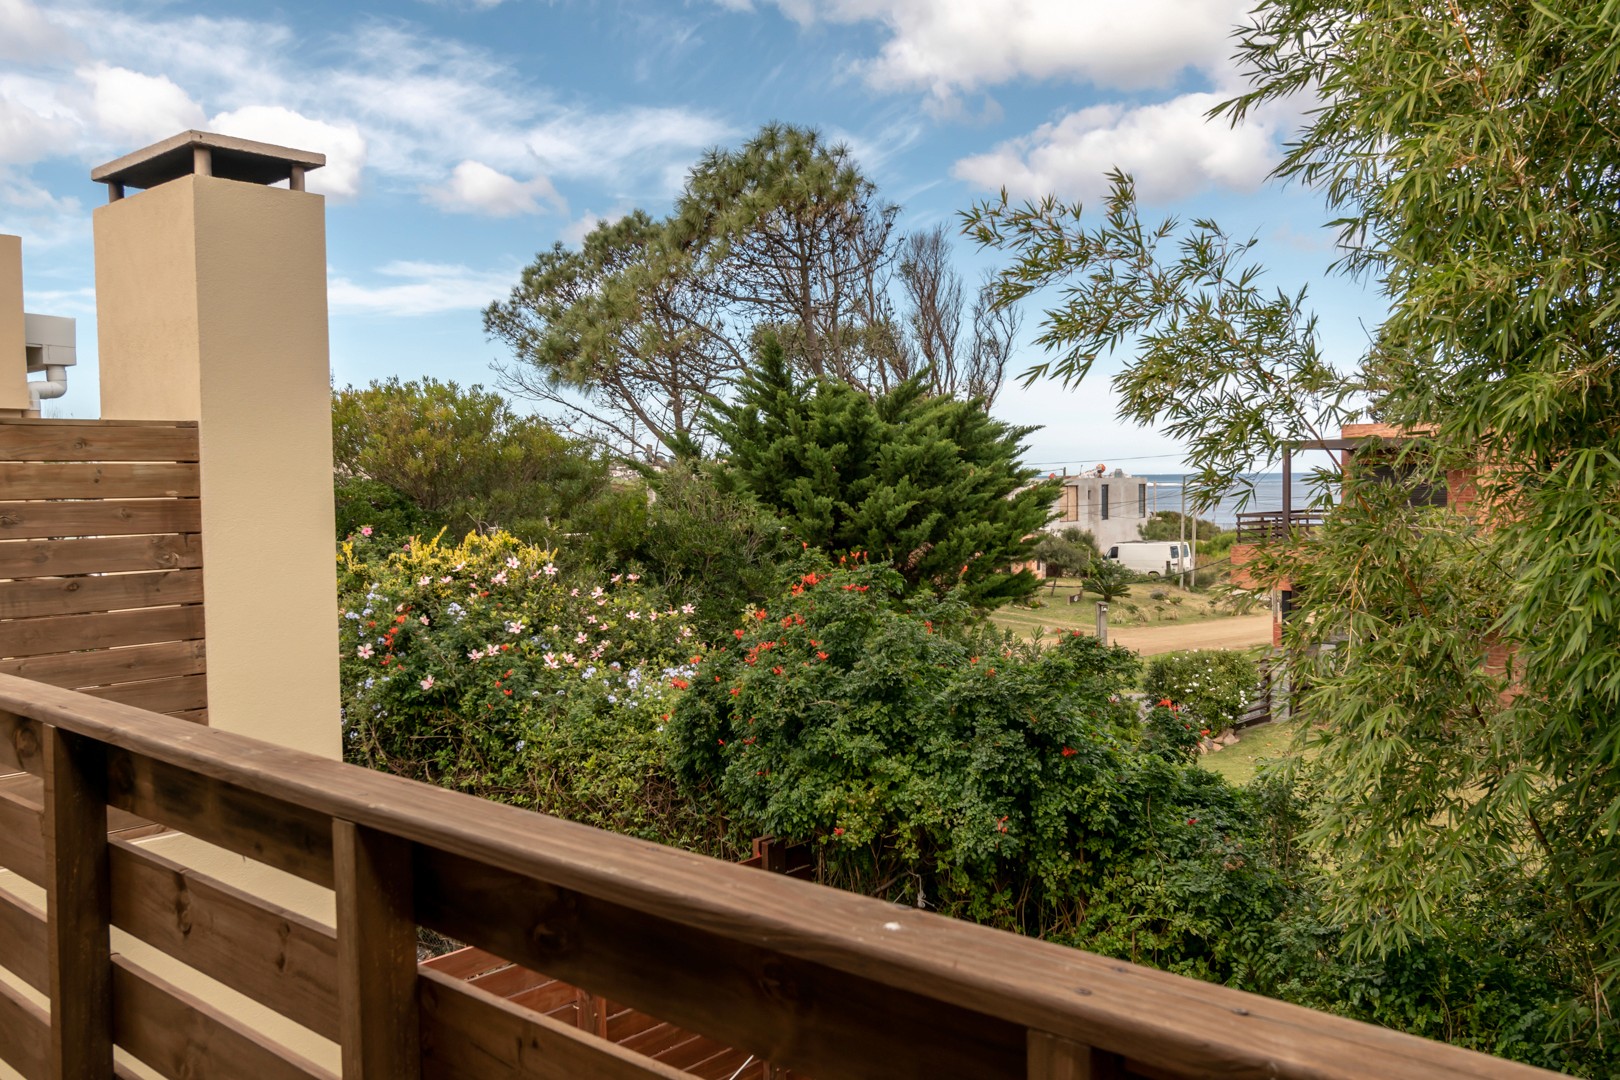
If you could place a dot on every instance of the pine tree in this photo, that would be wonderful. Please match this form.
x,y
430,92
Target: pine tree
x,y
931,484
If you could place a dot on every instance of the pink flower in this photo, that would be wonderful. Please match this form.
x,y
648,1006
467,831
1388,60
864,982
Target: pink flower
x,y
365,530
427,683
423,619
549,570
365,652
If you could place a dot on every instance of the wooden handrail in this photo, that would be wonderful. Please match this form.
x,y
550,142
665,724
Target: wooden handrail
x,y
825,982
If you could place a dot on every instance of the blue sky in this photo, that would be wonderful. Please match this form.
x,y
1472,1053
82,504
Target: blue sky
x,y
465,136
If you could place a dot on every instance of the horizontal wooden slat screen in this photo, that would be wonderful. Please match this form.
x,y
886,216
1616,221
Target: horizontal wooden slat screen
x,y
827,984
101,586
182,1036
25,1035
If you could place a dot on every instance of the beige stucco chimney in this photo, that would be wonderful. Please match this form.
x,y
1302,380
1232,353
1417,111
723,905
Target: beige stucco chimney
x,y
13,342
211,306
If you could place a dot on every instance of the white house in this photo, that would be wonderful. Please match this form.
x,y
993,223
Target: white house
x,y
1111,506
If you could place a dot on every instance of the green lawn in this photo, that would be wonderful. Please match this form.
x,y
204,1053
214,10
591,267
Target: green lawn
x,y
1149,604
1240,761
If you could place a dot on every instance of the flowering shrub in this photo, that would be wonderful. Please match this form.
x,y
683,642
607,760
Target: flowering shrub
x,y
1211,685
933,761
482,666
1171,731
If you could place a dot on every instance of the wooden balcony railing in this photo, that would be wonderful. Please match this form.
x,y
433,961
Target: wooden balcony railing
x,y
824,983
1267,525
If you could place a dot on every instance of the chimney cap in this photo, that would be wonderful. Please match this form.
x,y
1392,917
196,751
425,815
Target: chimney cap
x,y
232,159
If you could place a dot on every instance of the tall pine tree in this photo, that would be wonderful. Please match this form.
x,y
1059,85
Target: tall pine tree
x,y
931,484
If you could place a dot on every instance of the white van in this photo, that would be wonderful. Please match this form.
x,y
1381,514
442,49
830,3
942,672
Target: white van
x,y
1155,558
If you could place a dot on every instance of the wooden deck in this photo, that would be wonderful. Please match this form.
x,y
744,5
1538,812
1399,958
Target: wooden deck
x,y
824,983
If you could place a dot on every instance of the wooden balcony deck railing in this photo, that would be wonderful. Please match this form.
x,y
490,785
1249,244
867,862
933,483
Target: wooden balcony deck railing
x,y
1263,526
825,983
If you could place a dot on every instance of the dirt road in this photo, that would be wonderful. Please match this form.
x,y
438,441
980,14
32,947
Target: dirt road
x,y
1234,633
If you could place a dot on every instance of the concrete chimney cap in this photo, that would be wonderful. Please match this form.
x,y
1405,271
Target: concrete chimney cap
x,y
229,158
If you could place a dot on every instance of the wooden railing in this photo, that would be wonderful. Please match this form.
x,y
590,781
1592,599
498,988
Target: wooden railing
x,y
1262,526
822,982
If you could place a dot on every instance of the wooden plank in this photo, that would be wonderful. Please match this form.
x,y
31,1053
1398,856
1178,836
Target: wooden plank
x,y
22,929
25,1035
97,440
78,906
129,664
274,956
22,837
792,1012
65,633
1052,1057
160,695
778,933
183,1037
376,937
95,480
191,716
99,555
288,836
468,1032
43,519
36,597
19,744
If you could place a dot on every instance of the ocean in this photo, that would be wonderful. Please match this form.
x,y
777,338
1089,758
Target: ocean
x,y
1268,489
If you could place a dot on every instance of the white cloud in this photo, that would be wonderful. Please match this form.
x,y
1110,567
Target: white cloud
x,y
26,34
475,188
33,123
343,145
386,102
420,288
573,234
1170,149
950,46
580,143
139,108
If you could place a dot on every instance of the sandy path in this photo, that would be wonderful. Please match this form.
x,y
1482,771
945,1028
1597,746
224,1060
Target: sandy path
x,y
1238,632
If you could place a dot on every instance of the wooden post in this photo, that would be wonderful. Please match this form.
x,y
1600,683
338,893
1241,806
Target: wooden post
x,y
1102,623
376,936
1052,1057
1288,494
78,906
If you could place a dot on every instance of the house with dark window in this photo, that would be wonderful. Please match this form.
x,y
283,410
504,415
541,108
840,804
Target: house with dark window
x,y
1112,507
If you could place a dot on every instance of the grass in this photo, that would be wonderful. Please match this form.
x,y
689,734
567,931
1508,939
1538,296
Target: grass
x,y
1258,745
1057,615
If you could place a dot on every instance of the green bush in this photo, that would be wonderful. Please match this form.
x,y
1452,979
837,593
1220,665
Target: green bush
x,y
483,667
1211,685
1171,732
933,762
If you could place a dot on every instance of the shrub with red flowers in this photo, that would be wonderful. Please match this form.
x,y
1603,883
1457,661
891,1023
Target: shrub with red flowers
x,y
934,761
484,667
1171,731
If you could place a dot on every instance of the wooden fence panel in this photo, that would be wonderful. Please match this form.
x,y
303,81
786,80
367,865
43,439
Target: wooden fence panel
x,y
276,957
101,585
25,1035
182,1036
